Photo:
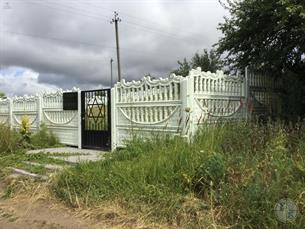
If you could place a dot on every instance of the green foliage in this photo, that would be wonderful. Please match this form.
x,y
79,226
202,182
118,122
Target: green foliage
x,y
208,61
184,68
44,138
210,173
293,96
25,128
10,141
231,174
2,95
265,34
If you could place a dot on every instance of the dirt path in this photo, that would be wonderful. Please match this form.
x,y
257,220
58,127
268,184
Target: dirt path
x,y
38,215
35,209
24,213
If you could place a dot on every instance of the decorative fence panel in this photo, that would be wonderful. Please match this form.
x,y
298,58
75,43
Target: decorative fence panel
x,y
264,94
46,109
5,111
25,106
147,106
217,96
63,123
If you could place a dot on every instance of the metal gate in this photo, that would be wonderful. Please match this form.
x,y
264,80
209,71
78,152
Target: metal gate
x,y
96,119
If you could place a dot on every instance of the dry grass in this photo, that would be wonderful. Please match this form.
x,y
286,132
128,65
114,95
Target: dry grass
x,y
227,177
109,214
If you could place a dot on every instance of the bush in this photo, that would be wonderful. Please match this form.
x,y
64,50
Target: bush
x,y
44,138
10,141
209,174
25,128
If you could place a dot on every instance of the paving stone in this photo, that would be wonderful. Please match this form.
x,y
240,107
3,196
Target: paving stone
x,y
66,150
79,158
28,174
46,166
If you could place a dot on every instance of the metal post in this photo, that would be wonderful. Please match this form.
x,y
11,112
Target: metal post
x,y
79,120
246,92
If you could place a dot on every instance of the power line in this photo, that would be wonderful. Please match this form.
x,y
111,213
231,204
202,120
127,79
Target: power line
x,y
92,16
131,16
138,25
73,41
72,10
135,24
136,1
152,30
49,57
57,39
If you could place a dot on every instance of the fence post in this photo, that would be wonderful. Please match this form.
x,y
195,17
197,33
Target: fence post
x,y
246,92
39,111
79,119
113,118
10,112
187,108
190,103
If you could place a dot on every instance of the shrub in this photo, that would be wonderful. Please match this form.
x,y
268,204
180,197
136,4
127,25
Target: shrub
x,y
44,138
210,173
10,140
25,128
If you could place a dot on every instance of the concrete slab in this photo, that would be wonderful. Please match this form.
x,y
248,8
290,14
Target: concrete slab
x,y
66,150
79,158
71,155
28,174
47,166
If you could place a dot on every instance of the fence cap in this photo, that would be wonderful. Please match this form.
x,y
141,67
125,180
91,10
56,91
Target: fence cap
x,y
219,74
148,80
45,93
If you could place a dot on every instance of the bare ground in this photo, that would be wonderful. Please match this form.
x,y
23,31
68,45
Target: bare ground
x,y
35,208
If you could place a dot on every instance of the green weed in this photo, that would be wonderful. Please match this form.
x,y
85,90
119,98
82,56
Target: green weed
x,y
232,174
44,138
10,140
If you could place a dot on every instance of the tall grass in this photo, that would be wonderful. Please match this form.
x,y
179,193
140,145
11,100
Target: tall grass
x,y
230,175
10,140
44,138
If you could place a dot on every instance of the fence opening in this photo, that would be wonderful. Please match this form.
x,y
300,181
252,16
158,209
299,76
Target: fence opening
x,y
96,119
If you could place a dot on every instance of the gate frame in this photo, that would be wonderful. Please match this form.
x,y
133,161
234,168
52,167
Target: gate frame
x,y
81,110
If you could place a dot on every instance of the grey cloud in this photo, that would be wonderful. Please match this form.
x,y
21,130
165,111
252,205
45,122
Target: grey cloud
x,y
179,29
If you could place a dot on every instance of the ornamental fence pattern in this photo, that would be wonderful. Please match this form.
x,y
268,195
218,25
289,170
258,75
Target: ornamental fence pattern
x,y
175,105
147,106
45,108
180,105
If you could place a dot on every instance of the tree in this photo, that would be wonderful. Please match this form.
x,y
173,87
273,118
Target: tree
x,y
184,68
266,34
2,95
208,61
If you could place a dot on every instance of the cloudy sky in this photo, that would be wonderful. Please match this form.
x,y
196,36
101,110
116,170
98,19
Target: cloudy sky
x,y
49,44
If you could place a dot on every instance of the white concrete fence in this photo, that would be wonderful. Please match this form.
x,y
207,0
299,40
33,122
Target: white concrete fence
x,y
44,108
175,105
179,105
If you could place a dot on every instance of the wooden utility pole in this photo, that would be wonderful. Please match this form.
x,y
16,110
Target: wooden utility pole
x,y
115,20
